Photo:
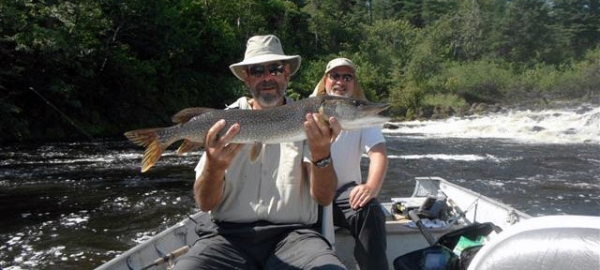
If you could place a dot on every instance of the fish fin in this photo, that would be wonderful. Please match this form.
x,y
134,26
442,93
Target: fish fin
x,y
323,120
185,115
255,151
322,116
188,146
142,137
152,155
149,139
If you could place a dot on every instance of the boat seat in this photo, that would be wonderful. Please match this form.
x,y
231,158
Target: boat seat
x,y
544,243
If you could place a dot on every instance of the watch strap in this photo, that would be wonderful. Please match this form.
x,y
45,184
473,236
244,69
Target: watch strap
x,y
322,163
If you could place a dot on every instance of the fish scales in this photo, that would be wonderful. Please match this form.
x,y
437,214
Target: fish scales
x,y
280,124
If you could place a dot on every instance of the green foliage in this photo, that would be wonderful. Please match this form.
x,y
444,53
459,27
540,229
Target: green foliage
x,y
589,74
445,100
573,81
575,22
309,75
479,81
335,25
525,34
388,43
72,68
406,100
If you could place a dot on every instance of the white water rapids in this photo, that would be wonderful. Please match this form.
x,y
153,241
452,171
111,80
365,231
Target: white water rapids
x,y
555,126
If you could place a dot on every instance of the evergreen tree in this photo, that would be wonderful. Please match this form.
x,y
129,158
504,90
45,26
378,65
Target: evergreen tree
x,y
578,23
525,33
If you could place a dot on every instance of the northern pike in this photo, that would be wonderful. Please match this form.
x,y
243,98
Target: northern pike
x,y
269,126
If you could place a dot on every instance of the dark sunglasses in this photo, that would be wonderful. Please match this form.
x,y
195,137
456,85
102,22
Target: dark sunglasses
x,y
345,77
259,70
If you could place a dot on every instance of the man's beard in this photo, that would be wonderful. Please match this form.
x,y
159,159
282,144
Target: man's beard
x,y
269,99
337,88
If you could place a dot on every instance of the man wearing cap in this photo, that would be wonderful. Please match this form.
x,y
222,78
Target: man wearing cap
x,y
355,205
264,212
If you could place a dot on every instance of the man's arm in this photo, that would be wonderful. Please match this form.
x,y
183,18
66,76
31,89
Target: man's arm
x,y
378,163
208,187
323,181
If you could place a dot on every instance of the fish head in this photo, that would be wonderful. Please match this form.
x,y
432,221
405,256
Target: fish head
x,y
354,113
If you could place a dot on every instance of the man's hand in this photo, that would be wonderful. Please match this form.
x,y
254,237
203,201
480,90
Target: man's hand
x,y
208,188
320,134
219,152
361,195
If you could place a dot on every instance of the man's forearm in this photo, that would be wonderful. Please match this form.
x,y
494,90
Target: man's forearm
x,y
378,163
208,188
323,182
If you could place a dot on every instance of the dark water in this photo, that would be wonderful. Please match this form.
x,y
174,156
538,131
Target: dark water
x,y
77,205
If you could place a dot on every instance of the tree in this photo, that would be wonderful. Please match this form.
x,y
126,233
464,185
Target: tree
x,y
335,25
525,36
383,54
578,23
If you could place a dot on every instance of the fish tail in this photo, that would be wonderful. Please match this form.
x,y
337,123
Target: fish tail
x,y
148,138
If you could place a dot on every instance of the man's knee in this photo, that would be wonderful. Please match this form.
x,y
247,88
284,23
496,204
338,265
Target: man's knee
x,y
305,249
326,262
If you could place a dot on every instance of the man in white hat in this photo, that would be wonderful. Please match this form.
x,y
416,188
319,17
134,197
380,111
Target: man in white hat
x,y
355,205
265,211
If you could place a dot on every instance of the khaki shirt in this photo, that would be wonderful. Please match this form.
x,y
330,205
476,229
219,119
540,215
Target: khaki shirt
x,y
275,188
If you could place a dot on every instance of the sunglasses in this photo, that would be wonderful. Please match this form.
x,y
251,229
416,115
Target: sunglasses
x,y
345,77
259,70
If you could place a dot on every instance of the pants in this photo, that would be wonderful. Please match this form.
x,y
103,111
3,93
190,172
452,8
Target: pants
x,y
367,226
259,245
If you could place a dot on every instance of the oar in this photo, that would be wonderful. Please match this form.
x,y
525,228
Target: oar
x,y
168,257
424,231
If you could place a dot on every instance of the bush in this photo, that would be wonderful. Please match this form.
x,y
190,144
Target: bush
x,y
445,100
568,81
478,81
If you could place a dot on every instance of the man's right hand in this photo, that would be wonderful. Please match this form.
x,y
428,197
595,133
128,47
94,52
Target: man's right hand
x,y
208,188
219,152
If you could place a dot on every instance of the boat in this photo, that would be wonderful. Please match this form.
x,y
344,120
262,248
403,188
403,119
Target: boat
x,y
411,228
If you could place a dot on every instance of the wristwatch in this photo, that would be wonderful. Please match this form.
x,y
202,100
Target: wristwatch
x,y
323,163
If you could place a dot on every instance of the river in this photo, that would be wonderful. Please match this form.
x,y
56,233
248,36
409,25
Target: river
x,y
76,205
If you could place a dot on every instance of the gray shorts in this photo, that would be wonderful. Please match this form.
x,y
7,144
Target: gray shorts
x,y
259,245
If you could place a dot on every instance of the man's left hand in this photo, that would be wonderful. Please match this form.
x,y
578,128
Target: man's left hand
x,y
320,134
361,195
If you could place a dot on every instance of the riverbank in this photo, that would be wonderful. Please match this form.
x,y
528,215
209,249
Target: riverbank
x,y
433,112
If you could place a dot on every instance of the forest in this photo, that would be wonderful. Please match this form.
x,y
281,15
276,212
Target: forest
x,y
92,69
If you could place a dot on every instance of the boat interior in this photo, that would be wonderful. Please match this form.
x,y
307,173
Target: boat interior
x,y
432,229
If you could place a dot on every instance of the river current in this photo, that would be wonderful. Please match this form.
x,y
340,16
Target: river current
x,y
76,205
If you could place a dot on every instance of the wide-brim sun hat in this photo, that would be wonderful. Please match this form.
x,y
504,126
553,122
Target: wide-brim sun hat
x,y
263,49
